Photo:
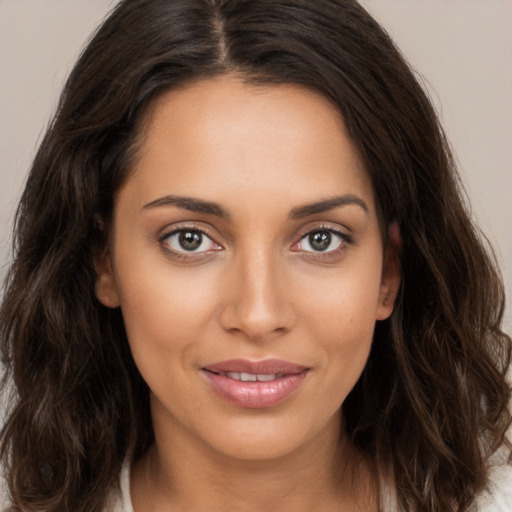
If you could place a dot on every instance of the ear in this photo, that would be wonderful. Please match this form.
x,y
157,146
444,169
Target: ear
x,y
105,287
390,280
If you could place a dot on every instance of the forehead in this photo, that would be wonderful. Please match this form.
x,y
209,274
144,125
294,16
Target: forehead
x,y
220,137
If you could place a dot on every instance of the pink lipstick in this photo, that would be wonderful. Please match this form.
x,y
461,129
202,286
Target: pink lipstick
x,y
255,384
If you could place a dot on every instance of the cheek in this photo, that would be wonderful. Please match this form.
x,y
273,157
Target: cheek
x,y
164,313
344,303
340,319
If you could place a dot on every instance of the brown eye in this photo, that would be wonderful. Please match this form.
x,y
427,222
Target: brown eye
x,y
320,241
323,241
188,241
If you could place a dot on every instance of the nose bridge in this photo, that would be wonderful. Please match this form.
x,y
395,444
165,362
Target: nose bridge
x,y
259,306
258,276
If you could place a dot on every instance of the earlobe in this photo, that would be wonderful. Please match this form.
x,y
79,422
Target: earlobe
x,y
390,281
105,286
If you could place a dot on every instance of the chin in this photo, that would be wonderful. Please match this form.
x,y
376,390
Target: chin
x,y
267,438
264,448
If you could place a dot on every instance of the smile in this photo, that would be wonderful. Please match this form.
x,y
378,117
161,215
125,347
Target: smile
x,y
255,385
251,377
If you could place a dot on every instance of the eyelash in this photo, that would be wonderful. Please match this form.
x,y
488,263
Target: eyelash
x,y
184,256
345,240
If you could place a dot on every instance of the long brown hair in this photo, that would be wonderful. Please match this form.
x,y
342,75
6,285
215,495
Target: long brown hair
x,y
431,404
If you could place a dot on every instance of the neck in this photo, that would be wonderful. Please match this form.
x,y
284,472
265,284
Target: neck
x,y
180,473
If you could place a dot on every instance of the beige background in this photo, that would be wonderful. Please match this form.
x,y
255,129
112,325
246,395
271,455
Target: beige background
x,y
462,48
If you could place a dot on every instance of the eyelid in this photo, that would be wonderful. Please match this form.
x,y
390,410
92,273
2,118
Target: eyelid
x,y
345,233
185,255
346,239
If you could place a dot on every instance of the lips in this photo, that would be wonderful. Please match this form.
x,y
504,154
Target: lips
x,y
255,384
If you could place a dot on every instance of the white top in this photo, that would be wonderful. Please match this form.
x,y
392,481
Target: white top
x,y
122,503
497,498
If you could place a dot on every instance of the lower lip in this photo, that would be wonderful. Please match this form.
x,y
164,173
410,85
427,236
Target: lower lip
x,y
255,395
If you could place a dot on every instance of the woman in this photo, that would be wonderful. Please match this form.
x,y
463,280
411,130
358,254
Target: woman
x,y
245,279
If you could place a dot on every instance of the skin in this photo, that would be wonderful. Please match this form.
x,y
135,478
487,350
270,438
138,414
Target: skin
x,y
257,289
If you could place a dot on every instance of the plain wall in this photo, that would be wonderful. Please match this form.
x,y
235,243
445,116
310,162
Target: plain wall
x,y
462,48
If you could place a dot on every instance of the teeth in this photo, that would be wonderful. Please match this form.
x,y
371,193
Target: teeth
x,y
265,378
251,377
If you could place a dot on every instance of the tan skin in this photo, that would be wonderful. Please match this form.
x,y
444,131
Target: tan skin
x,y
258,286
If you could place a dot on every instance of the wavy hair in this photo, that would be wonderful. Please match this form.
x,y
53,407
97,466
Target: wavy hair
x,y
431,404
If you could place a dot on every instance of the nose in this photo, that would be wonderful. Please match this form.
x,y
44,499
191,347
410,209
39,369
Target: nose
x,y
258,299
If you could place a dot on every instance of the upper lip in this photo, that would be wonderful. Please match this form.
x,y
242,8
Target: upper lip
x,y
264,367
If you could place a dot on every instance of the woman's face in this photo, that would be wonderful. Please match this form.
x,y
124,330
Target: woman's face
x,y
248,263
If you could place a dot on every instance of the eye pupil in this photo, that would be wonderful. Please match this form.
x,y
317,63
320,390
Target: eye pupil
x,y
190,240
320,240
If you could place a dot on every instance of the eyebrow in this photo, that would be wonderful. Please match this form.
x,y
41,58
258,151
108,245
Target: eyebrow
x,y
327,205
189,203
210,208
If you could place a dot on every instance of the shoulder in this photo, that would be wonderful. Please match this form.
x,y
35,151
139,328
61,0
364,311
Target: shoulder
x,y
4,496
120,500
498,495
